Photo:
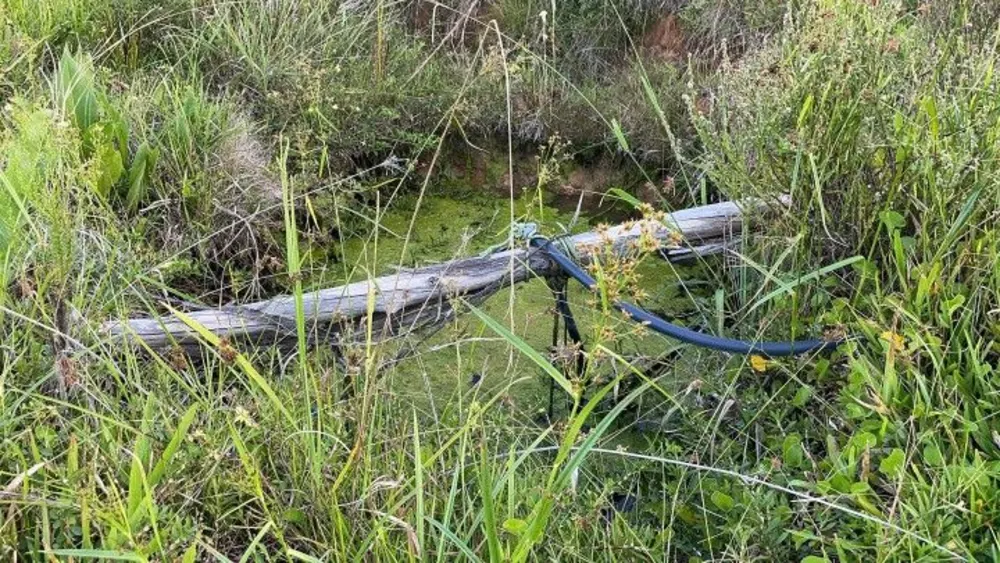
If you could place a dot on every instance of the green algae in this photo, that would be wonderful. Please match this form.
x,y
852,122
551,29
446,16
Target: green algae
x,y
465,357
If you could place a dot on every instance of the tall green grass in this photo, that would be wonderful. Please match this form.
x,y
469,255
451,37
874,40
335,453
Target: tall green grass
x,y
883,139
205,150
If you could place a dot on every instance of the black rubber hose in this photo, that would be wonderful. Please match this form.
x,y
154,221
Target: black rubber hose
x,y
686,335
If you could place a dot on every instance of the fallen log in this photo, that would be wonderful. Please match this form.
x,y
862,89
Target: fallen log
x,y
414,298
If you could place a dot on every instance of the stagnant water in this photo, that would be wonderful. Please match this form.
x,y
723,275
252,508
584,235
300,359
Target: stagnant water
x,y
466,357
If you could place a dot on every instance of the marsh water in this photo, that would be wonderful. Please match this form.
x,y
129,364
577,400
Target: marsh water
x,y
466,358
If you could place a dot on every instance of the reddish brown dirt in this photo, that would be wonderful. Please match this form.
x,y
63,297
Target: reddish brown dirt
x,y
666,40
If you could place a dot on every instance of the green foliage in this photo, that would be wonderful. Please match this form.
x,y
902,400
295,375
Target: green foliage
x,y
74,91
104,134
108,160
733,25
146,170
55,20
28,153
583,38
897,164
140,176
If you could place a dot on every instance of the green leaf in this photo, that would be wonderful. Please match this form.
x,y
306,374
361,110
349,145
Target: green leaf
x,y
802,396
616,128
841,483
13,212
240,360
298,555
932,116
295,516
114,127
800,537
625,196
455,540
191,554
862,441
805,111
723,501
109,162
860,488
948,242
814,559
489,507
515,526
140,175
573,456
952,305
892,219
933,456
258,537
140,461
811,276
791,450
892,464
418,485
74,90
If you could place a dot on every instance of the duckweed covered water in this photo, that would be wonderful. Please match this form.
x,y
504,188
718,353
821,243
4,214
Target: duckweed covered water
x,y
466,357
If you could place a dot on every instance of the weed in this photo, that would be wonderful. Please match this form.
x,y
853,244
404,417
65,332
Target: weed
x,y
158,157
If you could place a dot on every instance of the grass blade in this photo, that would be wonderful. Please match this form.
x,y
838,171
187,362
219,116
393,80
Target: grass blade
x,y
811,276
525,349
175,442
240,360
100,554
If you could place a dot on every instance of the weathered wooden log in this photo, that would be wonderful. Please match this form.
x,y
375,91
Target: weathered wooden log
x,y
414,298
